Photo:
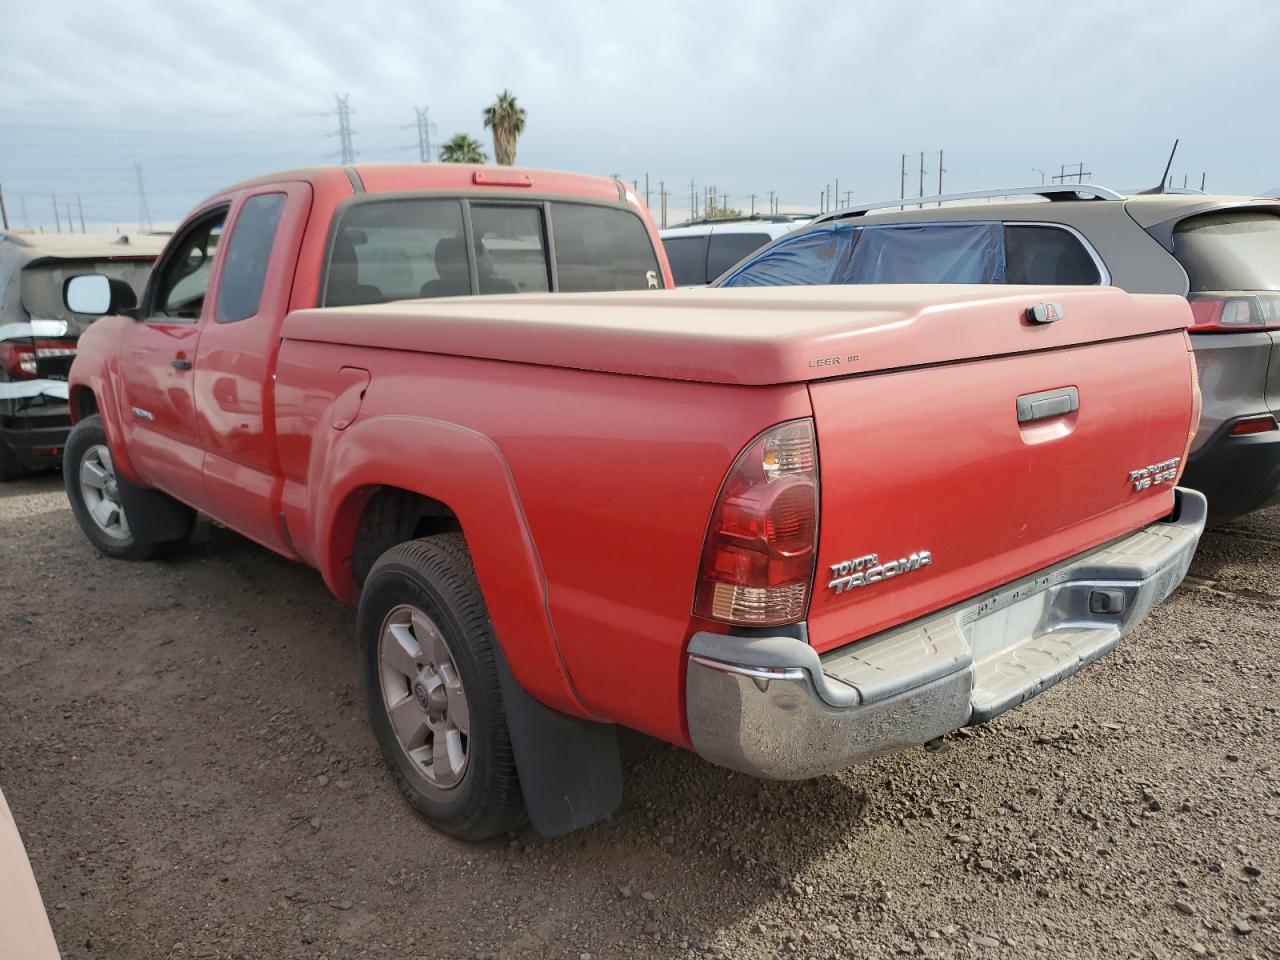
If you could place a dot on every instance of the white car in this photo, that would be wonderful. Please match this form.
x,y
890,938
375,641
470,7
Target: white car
x,y
699,252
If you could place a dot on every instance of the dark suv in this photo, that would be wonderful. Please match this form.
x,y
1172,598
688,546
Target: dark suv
x,y
1222,253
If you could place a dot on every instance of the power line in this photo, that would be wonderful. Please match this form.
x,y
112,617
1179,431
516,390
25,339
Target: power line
x,y
345,146
425,127
144,213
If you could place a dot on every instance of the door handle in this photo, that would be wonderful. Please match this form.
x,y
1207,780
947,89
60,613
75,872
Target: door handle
x,y
181,363
1048,404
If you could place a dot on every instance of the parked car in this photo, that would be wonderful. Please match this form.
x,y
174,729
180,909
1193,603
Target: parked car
x,y
703,249
38,334
25,933
1221,252
559,513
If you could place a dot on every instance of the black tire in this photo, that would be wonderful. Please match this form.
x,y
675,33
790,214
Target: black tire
x,y
11,468
434,575
86,437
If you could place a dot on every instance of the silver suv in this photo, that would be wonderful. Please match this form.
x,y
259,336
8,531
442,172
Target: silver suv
x,y
1221,252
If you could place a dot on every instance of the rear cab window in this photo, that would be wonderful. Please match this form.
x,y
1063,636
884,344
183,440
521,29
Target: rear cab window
x,y
404,248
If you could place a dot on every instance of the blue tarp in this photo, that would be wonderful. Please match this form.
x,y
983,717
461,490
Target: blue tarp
x,y
893,253
811,258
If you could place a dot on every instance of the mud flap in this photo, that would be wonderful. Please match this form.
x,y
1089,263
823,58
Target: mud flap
x,y
154,517
570,769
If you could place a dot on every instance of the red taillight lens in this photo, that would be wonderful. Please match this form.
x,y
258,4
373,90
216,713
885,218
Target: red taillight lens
x,y
1233,313
21,358
1248,427
757,564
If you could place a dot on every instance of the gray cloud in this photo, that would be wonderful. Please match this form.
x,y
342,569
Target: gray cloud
x,y
752,98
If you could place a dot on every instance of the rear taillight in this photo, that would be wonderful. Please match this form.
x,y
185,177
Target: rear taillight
x,y
1251,425
1234,313
21,358
757,564
1197,403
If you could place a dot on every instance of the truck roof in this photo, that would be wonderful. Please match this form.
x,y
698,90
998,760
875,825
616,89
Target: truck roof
x,y
460,177
744,335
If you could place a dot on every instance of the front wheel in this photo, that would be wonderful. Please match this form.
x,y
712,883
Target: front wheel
x,y
432,688
89,474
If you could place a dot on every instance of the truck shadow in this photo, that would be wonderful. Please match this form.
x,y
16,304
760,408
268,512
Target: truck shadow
x,y
227,645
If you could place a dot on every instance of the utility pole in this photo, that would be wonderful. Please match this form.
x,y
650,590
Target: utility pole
x,y
1201,189
903,194
662,202
344,128
56,220
80,207
144,214
941,171
693,202
772,209
4,214
835,197
753,204
70,226
424,134
22,201
646,190
1041,172
848,197
922,178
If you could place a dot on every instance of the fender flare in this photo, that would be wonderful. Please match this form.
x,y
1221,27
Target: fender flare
x,y
466,471
101,380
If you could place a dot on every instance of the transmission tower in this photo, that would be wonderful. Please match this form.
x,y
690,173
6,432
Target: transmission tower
x,y
344,128
425,127
144,214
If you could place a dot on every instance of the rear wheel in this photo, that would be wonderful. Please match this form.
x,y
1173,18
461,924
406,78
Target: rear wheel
x,y
432,688
89,474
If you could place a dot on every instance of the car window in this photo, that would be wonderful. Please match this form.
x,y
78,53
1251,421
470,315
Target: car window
x,y
927,253
688,259
1233,250
184,275
42,284
602,248
1047,255
397,250
726,249
509,248
803,259
248,252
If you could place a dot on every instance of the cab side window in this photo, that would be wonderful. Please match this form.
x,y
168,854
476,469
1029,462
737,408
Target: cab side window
x,y
183,278
248,253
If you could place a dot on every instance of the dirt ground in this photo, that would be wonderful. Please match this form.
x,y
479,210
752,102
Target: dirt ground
x,y
184,746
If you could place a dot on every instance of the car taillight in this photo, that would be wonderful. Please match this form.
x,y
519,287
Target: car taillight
x,y
757,563
1251,425
1234,313
21,358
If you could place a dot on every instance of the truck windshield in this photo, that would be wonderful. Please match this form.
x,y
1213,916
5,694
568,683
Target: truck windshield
x,y
1234,250
407,248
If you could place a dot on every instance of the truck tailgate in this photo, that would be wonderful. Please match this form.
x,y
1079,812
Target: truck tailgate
x,y
933,489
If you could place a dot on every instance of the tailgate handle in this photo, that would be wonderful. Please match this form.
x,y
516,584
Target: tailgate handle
x,y
1048,404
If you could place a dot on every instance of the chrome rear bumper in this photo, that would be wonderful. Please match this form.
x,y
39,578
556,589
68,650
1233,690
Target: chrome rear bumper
x,y
770,706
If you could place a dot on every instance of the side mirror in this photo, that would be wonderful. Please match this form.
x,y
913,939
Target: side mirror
x,y
95,294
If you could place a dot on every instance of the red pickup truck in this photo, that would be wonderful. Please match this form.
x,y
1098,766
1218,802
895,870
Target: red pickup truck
x,y
788,528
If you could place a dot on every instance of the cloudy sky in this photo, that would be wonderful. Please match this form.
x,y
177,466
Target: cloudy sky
x,y
750,97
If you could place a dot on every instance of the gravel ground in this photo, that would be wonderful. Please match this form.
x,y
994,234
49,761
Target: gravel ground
x,y
185,748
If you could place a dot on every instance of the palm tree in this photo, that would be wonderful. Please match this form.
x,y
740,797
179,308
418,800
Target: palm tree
x,y
506,119
461,148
